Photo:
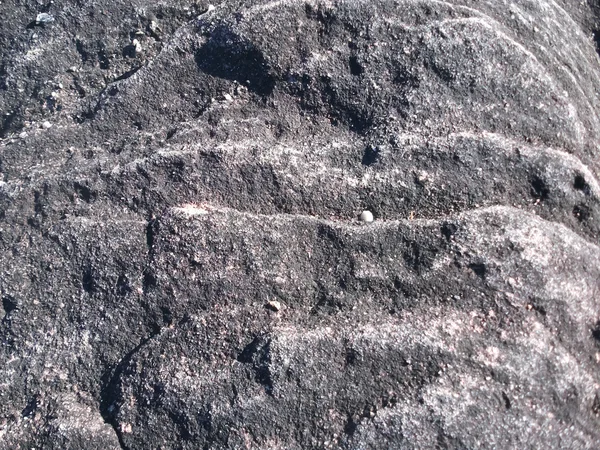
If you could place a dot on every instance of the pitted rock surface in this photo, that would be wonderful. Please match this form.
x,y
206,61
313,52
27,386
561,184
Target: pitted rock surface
x,y
183,264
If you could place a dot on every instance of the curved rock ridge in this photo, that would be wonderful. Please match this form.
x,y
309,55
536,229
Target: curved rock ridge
x,y
464,340
183,264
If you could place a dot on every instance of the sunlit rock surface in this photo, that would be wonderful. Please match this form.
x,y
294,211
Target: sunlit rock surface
x,y
183,263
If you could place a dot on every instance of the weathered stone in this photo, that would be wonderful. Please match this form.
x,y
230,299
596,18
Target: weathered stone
x,y
183,187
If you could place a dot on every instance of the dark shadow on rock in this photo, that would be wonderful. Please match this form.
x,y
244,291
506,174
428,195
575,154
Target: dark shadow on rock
x,y
9,305
596,332
258,353
3,77
230,57
110,396
596,37
371,156
7,125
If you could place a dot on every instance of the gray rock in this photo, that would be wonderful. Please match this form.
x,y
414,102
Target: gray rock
x,y
183,188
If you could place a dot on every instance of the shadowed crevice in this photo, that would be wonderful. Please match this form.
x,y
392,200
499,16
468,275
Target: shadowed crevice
x,y
230,57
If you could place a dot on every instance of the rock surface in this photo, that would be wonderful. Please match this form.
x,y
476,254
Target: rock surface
x,y
172,170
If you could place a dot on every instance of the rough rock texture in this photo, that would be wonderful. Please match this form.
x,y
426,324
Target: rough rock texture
x,y
182,263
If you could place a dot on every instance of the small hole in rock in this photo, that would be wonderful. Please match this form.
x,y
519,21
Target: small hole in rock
x,y
171,133
167,315
87,281
370,156
581,185
350,426
539,189
149,281
596,36
449,230
596,332
355,67
596,405
123,287
507,404
480,269
9,304
31,406
84,192
351,356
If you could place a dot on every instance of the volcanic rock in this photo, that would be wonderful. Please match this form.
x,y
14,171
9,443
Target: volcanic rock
x,y
154,201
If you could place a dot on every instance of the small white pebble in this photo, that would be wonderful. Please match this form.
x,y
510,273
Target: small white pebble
x,y
366,216
228,97
137,45
44,18
46,125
